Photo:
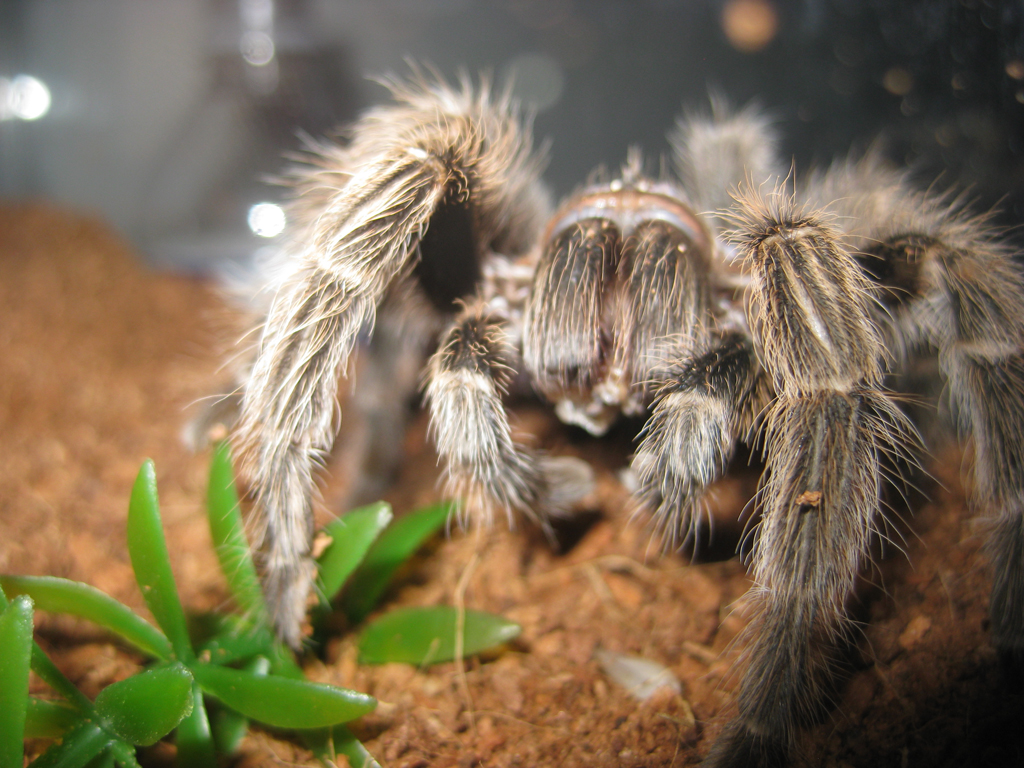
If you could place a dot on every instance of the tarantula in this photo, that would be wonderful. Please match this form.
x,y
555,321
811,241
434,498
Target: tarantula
x,y
775,319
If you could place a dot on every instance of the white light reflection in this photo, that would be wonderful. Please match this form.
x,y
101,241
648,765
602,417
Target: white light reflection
x,y
23,97
257,48
267,219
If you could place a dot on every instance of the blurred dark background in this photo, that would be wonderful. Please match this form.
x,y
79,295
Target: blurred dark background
x,y
163,116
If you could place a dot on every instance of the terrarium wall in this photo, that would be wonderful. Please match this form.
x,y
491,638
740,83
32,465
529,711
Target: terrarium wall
x,y
165,116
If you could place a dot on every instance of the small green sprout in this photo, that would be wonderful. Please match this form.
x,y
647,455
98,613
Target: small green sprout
x,y
209,678
134,712
145,708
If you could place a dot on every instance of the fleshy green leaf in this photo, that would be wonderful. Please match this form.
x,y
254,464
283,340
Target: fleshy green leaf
x,y
15,657
233,638
63,596
228,534
283,702
229,727
148,550
49,719
394,546
120,753
147,706
193,737
327,744
351,538
77,749
424,636
52,676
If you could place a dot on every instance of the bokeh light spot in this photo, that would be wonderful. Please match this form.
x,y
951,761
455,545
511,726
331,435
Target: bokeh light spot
x,y
898,81
537,80
267,219
749,24
24,97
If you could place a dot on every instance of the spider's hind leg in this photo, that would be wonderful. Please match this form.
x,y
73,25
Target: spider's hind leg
x,y
949,284
716,152
968,302
979,298
383,399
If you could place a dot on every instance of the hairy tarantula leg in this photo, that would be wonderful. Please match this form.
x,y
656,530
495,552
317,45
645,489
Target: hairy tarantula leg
x,y
973,308
988,386
825,435
947,282
289,408
662,311
485,467
442,176
717,153
818,503
289,411
705,404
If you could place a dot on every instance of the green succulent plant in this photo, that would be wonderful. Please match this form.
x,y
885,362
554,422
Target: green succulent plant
x,y
210,677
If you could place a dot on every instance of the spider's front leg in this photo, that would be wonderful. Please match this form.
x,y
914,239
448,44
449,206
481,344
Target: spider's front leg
x,y
704,404
288,423
703,382
707,399
430,186
825,435
486,468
